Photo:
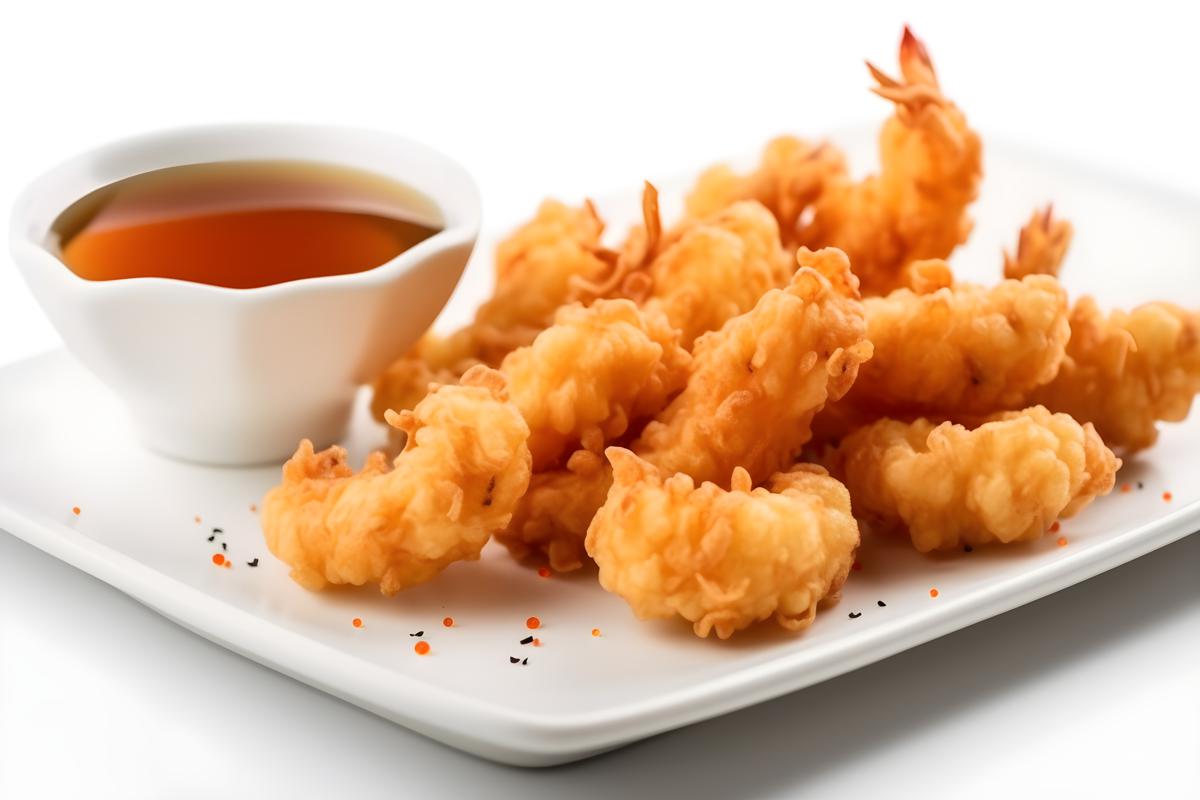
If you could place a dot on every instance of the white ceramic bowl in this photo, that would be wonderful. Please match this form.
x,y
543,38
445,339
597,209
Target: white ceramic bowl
x,y
238,376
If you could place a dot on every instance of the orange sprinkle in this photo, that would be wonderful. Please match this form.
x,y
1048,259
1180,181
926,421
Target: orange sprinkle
x,y
421,648
218,559
1167,497
1054,528
75,510
537,642
533,623
356,622
595,631
933,592
544,572
1125,487
448,622
1062,541
253,508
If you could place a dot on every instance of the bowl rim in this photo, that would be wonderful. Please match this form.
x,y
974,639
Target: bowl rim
x,y
462,199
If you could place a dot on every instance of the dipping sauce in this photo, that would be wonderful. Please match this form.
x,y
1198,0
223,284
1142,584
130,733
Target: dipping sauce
x,y
242,224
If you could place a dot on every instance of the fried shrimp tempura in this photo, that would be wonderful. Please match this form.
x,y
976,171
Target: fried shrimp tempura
x,y
790,177
1006,481
723,559
464,466
717,269
700,273
591,373
1126,371
433,359
551,520
915,208
1041,246
757,382
535,267
964,349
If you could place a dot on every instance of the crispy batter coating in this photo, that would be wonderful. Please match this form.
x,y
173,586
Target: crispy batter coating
x,y
718,268
591,373
915,208
551,520
1041,246
723,559
1125,372
757,382
464,466
535,269
790,177
535,266
700,273
965,349
1006,481
433,359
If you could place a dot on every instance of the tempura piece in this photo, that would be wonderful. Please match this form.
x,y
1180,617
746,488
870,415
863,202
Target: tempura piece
x,y
591,373
965,349
718,269
534,270
915,208
433,359
723,559
1006,481
535,266
790,177
757,382
551,520
703,271
1041,247
464,466
1125,372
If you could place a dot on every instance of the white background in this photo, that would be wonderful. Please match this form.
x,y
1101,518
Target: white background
x,y
1095,689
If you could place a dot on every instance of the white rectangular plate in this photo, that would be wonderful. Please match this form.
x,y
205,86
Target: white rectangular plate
x,y
145,522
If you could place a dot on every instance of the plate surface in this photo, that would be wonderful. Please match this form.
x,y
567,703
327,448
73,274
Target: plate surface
x,y
145,522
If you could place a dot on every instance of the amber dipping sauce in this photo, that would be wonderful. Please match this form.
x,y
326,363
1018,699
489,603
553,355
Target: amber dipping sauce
x,y
242,224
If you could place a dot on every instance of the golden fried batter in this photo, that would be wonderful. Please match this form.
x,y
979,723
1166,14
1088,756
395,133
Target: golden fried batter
x,y
723,559
718,268
1041,247
464,466
433,359
963,350
915,208
535,267
757,382
1125,372
1006,481
790,177
551,520
592,372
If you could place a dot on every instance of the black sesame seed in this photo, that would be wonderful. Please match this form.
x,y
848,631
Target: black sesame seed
x,y
224,546
880,603
513,660
418,633
524,661
855,614
253,563
212,537
218,530
527,640
1141,485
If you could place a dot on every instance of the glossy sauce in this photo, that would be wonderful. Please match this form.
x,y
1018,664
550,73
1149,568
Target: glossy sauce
x,y
242,224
